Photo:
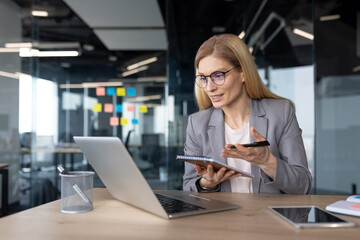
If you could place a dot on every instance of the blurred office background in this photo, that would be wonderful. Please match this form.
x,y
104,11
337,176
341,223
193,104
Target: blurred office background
x,y
125,68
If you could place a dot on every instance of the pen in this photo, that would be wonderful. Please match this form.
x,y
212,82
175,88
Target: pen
x,y
254,144
62,170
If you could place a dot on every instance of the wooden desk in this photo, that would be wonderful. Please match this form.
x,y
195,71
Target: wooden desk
x,y
50,150
112,219
56,152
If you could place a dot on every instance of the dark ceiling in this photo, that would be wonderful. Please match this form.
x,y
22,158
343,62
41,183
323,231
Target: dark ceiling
x,y
195,21
188,24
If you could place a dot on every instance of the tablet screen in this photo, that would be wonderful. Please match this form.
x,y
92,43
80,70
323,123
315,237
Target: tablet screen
x,y
309,216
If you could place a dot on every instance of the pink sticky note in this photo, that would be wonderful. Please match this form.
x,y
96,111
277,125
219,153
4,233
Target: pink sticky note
x,y
114,121
108,107
355,206
100,91
131,108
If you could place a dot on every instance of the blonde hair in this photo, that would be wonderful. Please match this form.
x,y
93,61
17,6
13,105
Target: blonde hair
x,y
232,49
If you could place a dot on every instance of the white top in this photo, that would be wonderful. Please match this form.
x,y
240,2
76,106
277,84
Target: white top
x,y
241,135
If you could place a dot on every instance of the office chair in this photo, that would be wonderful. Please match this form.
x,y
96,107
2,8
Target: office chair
x,y
152,152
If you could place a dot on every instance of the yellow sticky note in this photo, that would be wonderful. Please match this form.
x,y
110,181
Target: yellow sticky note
x,y
97,107
123,121
120,91
143,109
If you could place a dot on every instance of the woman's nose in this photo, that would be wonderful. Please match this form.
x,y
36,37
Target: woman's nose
x,y
210,86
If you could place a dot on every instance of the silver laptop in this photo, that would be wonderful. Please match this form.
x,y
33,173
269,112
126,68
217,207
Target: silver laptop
x,y
115,167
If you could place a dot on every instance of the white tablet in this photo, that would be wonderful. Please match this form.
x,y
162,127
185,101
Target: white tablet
x,y
309,216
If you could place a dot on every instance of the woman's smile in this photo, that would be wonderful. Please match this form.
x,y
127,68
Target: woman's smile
x,y
216,98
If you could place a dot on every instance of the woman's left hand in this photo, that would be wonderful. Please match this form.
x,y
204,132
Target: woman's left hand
x,y
260,156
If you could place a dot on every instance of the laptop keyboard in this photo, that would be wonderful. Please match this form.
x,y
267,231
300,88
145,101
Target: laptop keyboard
x,y
172,205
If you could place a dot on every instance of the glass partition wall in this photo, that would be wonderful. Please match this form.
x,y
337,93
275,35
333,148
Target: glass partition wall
x,y
71,79
337,57
9,99
144,95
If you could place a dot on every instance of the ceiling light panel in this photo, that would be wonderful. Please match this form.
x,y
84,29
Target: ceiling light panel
x,y
27,52
19,45
115,13
330,17
128,73
303,33
141,63
39,13
125,24
133,39
297,40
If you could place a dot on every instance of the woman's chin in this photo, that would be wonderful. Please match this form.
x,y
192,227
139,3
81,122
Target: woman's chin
x,y
217,105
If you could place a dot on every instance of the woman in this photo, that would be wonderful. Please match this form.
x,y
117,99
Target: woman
x,y
237,108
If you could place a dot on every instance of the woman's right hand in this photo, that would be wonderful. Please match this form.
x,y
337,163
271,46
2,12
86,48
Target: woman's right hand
x,y
210,179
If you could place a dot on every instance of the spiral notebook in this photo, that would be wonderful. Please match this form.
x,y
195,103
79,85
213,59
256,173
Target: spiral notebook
x,y
204,161
350,206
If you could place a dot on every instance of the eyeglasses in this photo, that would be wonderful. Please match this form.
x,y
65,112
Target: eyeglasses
x,y
218,78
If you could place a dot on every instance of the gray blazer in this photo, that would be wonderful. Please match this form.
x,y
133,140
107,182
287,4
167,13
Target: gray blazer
x,y
275,120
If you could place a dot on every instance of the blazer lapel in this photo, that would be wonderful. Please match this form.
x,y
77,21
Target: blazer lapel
x,y
216,134
260,123
257,119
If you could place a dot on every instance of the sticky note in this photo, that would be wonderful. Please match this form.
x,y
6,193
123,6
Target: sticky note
x,y
114,121
123,121
118,108
120,91
108,107
131,108
97,107
355,206
143,109
131,91
110,91
100,91
134,121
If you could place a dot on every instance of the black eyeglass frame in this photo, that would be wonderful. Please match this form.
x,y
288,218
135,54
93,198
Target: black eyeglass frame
x,y
224,73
